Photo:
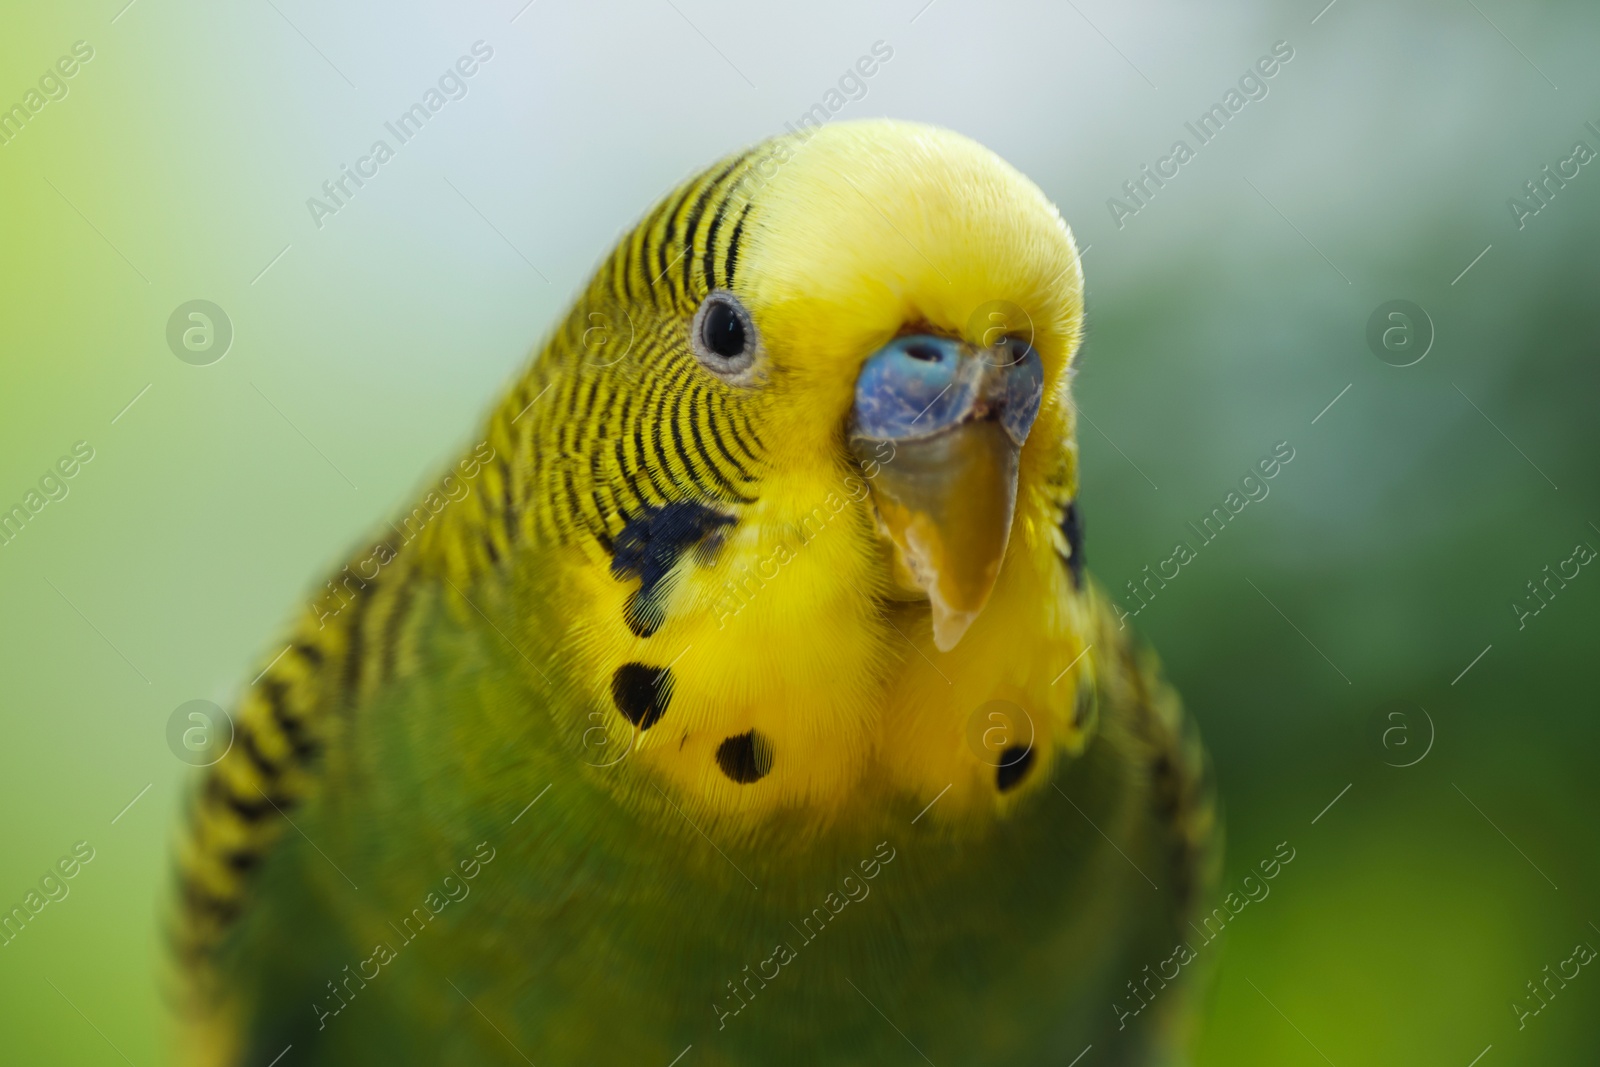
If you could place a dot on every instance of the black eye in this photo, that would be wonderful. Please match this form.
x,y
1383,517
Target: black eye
x,y
723,332
724,338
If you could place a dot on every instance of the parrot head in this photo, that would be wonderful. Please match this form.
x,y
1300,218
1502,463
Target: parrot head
x,y
808,433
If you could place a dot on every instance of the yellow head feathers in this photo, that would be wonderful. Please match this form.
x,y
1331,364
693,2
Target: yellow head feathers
x,y
863,230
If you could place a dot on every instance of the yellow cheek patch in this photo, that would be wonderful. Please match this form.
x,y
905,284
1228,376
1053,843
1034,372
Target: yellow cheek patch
x,y
735,694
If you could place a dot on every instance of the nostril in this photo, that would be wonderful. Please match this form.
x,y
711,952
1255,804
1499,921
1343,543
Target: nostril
x,y
925,352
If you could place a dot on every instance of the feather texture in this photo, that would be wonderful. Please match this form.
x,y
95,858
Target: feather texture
x,y
643,647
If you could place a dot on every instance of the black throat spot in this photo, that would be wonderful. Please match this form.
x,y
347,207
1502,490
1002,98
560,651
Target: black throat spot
x,y
642,693
745,757
650,545
1014,764
1072,530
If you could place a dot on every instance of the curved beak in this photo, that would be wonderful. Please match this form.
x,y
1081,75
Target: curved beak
x,y
938,427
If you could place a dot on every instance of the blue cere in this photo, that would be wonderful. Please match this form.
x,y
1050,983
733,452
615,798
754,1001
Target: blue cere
x,y
913,386
1018,389
920,384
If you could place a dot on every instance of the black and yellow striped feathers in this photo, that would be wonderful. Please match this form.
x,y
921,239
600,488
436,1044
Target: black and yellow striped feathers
x,y
645,644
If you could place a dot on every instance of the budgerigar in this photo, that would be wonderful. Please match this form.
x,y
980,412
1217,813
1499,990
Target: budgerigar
x,y
739,696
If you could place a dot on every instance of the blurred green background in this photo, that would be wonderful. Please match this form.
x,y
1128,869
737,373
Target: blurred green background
x,y
1224,317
